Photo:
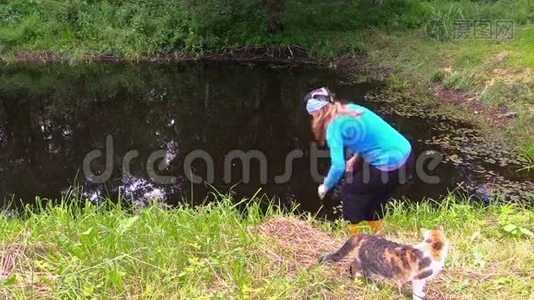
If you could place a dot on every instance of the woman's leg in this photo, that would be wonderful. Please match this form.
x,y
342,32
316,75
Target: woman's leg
x,y
383,191
365,196
355,206
356,202
376,211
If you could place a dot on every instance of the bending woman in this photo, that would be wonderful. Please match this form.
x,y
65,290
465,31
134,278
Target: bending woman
x,y
382,156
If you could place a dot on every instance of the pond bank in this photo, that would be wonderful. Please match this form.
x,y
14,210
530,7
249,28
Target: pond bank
x,y
77,250
491,80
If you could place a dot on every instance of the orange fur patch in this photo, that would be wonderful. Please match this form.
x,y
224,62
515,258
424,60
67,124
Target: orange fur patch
x,y
438,242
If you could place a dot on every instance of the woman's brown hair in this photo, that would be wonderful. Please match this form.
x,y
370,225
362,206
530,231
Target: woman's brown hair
x,y
325,115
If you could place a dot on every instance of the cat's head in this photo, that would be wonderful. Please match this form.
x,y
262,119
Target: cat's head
x,y
437,242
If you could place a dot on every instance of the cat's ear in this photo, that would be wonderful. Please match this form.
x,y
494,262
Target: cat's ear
x,y
440,228
425,232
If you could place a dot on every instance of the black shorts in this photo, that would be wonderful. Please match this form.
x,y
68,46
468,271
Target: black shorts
x,y
366,193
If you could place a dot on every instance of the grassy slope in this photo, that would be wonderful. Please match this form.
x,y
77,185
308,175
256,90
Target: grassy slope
x,y
213,252
497,72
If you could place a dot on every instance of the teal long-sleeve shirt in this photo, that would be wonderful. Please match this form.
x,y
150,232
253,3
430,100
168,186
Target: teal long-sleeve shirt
x,y
367,135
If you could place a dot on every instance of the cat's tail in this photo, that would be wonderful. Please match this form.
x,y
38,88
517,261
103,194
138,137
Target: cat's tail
x,y
350,244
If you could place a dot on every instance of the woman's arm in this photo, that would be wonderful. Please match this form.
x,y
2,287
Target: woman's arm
x,y
337,161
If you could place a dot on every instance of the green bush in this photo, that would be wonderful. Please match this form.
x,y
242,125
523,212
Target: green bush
x,y
143,27
130,26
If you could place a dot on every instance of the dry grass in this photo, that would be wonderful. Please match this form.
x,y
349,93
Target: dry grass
x,y
301,242
19,262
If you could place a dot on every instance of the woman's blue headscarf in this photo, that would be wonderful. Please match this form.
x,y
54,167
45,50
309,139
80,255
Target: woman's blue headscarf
x,y
317,99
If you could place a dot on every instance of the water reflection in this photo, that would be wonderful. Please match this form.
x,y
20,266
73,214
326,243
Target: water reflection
x,y
52,116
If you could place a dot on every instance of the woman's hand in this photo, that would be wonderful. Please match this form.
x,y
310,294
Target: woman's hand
x,y
321,191
351,164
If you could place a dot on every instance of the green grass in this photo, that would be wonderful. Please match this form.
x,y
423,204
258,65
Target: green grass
x,y
496,72
212,251
133,28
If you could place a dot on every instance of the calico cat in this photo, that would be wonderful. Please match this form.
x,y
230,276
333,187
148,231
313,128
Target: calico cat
x,y
402,263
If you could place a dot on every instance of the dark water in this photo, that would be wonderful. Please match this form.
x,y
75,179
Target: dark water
x,y
52,116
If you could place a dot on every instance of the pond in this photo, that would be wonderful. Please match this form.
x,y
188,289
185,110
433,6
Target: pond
x,y
185,120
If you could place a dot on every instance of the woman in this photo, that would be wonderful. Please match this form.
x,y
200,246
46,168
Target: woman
x,y
384,156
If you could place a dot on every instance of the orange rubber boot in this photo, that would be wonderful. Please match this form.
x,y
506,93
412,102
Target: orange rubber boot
x,y
375,226
353,229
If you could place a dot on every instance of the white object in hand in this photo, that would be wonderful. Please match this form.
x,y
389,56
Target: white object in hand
x,y
321,191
